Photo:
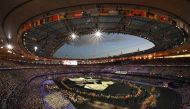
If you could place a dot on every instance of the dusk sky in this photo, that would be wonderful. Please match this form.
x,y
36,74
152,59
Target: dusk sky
x,y
111,44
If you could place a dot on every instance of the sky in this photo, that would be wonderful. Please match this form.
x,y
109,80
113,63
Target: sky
x,y
89,46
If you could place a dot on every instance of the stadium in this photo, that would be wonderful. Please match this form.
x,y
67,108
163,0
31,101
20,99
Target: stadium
x,y
94,54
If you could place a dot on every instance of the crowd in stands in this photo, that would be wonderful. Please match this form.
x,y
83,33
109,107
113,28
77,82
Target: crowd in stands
x,y
18,88
185,93
159,61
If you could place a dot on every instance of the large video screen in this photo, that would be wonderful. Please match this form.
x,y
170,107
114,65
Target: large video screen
x,y
70,62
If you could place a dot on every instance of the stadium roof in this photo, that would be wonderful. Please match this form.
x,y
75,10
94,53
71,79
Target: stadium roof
x,y
16,14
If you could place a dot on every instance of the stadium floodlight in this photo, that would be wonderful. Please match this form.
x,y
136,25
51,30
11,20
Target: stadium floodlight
x,y
35,48
97,36
74,36
98,33
9,51
9,46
